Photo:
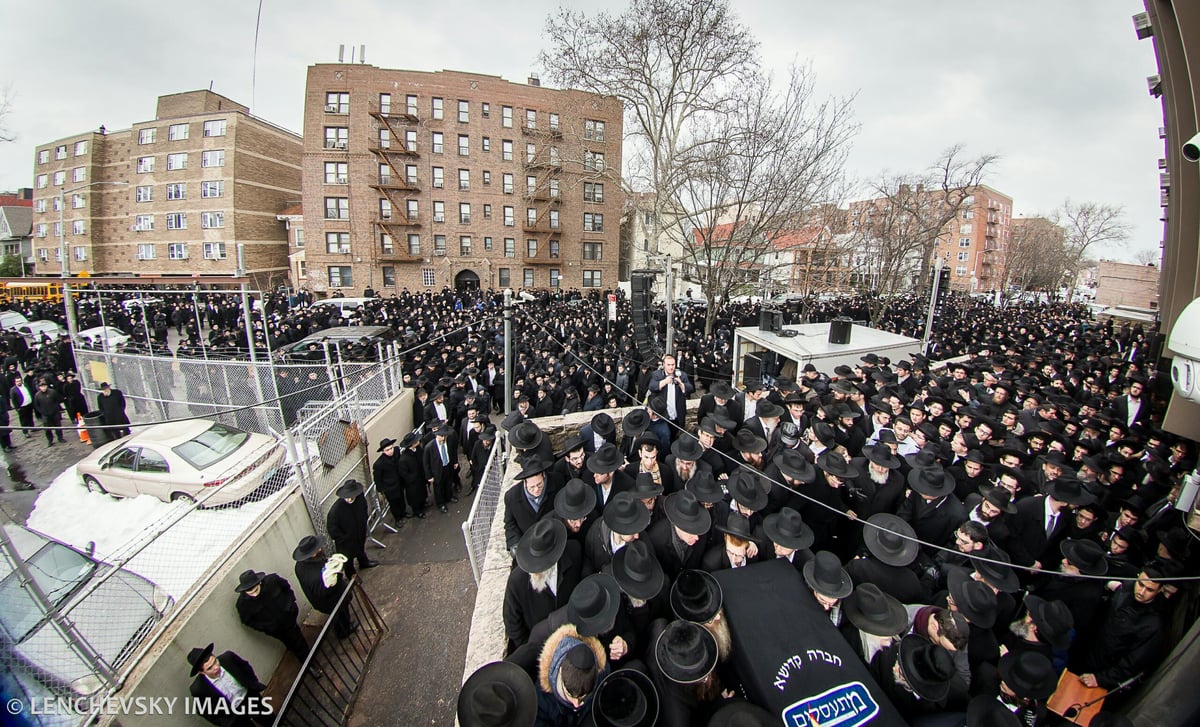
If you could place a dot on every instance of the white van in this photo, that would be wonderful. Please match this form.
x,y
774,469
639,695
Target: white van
x,y
345,305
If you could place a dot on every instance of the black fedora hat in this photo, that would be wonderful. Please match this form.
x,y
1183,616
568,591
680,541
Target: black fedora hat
x,y
825,575
705,487
625,514
350,489
687,448
891,539
740,713
385,443
593,604
720,417
532,465
606,459
635,422
410,439
526,435
248,580
625,698
308,547
197,656
875,612
686,513
995,571
833,463
787,528
575,501
747,441
975,600
987,711
794,464
511,420
881,454
1069,490
768,409
499,694
933,481
574,442
658,405
927,667
746,489
1000,497
696,596
647,440
1029,674
1086,555
638,572
738,525
1053,620
722,390
542,545
685,652
644,487
603,424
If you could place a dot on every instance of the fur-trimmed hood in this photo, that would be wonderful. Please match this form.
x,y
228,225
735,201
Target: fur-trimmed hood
x,y
562,640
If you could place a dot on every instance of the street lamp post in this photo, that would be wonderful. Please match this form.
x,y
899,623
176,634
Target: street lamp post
x,y
65,270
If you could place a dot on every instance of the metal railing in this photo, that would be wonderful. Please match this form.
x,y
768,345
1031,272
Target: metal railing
x,y
328,682
477,528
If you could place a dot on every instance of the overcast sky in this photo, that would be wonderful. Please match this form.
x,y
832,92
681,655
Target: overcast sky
x,y
1056,89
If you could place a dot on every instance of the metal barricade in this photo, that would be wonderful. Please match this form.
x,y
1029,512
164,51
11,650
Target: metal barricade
x,y
477,528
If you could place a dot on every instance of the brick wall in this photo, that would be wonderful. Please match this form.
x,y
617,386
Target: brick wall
x,y
1127,284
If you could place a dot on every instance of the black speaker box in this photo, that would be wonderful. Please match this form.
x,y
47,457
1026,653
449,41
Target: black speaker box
x,y
839,330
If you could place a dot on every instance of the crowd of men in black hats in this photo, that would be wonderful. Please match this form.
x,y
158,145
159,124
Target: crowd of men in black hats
x,y
972,532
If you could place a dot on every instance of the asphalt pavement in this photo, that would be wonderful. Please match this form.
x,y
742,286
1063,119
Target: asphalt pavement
x,y
32,466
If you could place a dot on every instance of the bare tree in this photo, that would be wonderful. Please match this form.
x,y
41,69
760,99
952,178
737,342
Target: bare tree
x,y
1148,256
1037,256
1088,224
6,107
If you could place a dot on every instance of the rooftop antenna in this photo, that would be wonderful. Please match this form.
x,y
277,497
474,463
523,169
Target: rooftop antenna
x,y
341,53
254,57
362,53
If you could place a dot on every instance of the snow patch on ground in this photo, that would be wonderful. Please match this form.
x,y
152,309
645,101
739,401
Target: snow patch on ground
x,y
174,559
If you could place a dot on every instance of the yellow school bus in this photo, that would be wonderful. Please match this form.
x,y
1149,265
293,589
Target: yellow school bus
x,y
32,290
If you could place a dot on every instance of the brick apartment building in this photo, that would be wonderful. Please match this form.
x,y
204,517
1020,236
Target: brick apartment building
x,y
1127,284
174,195
446,179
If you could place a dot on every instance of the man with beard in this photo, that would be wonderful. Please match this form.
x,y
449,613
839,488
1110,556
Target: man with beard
x,y
970,473
1081,594
931,506
881,470
1129,637
697,597
751,447
829,583
891,549
1045,628
679,540
621,523
575,505
991,507
548,566
605,468
570,464
683,463
643,584
323,582
527,504
1041,522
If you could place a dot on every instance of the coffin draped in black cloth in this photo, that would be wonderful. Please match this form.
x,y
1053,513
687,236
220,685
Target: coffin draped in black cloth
x,y
790,657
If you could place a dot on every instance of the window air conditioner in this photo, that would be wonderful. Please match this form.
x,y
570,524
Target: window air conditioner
x,y
331,108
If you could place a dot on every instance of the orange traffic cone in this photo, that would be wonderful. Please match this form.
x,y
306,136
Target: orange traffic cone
x,y
83,433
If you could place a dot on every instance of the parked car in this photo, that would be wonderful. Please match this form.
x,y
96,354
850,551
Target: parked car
x,y
12,319
33,331
345,306
112,609
186,460
107,336
312,348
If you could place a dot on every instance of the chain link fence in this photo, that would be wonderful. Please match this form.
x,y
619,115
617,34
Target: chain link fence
x,y
477,528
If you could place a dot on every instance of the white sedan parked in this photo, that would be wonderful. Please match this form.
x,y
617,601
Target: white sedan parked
x,y
190,460
111,338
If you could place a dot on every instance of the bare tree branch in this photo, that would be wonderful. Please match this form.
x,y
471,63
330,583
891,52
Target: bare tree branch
x,y
7,96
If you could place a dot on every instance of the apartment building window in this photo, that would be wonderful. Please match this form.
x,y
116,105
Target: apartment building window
x,y
389,276
56,204
486,144
506,116
410,104
385,103
43,254
145,251
57,232
337,137
593,251
80,148
337,243
78,227
178,132
593,161
487,211
530,119
439,244
485,110
530,153
177,191
214,251
60,152
337,208
964,256
411,209
530,185
337,173
79,253
510,247
968,214
487,177
509,216
487,243
464,245
214,158
554,277
593,130
60,178
386,246
43,156
427,277
965,229
506,150
214,127
337,102
385,208
507,180
385,138
530,216
464,145
177,161
439,177
340,276
554,122
960,271
177,221
143,223
177,251
553,189
527,278
464,111
147,136
591,278
40,205
464,180
531,247
504,277
410,140
554,248
385,174
593,192
43,179
593,222
437,111
300,237
464,213
212,220
77,201
553,219
438,142
143,193
414,244
410,174
439,211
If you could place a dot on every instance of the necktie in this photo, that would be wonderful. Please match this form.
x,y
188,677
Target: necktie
x,y
445,457
1050,525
